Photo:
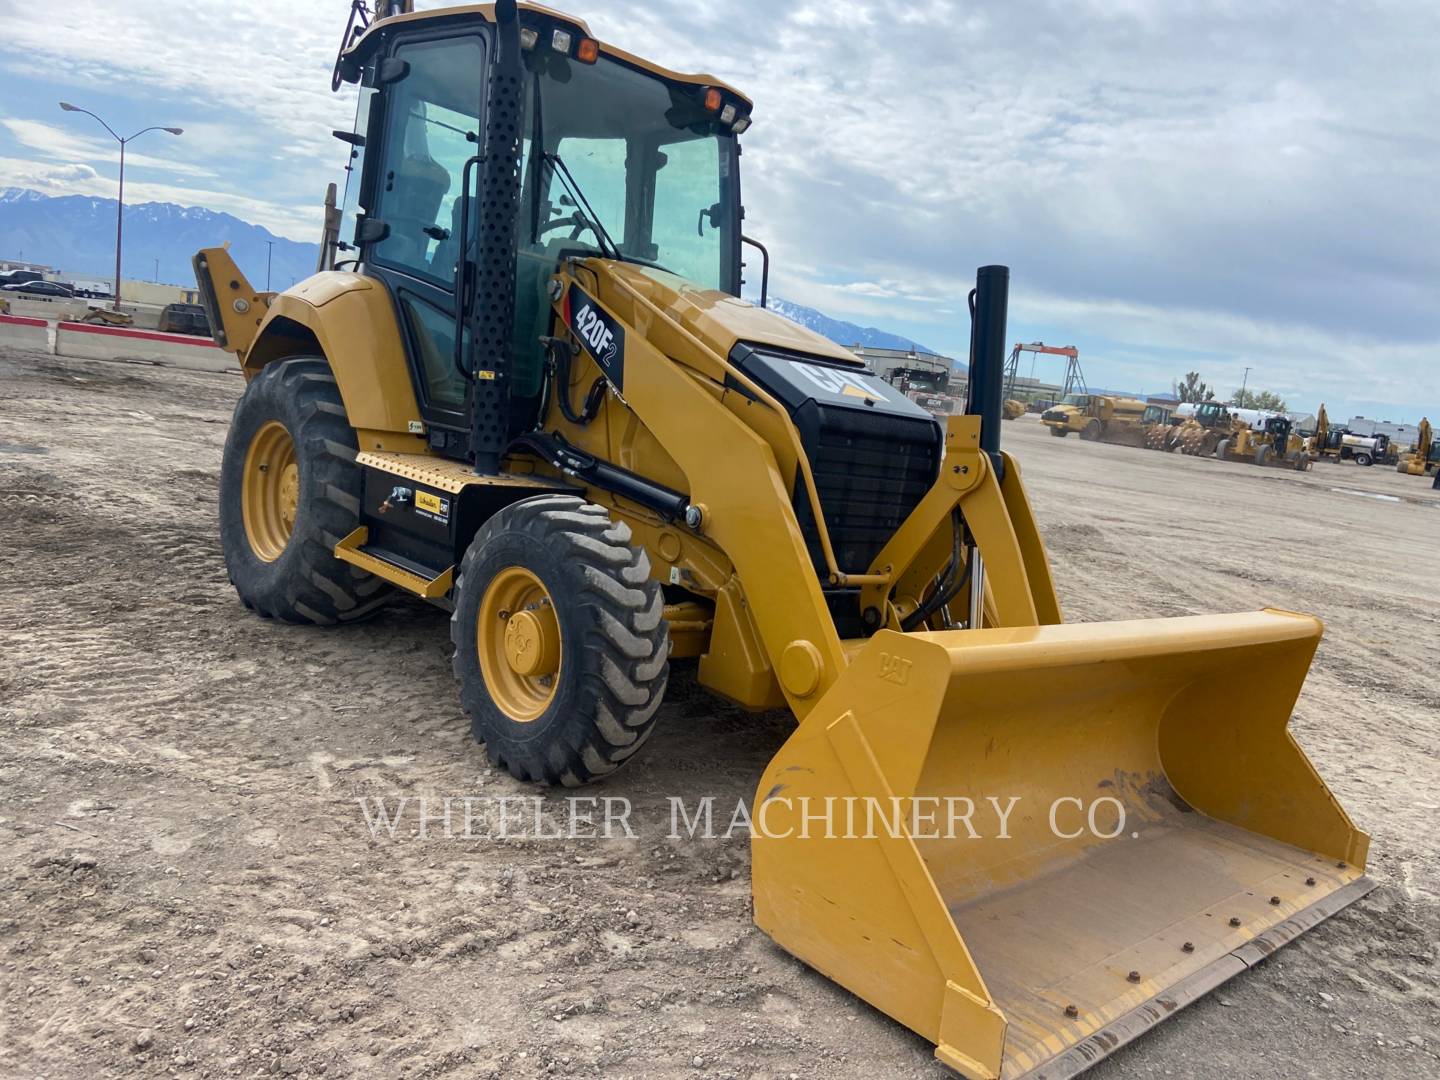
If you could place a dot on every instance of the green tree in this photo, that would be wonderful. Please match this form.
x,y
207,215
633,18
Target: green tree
x,y
1264,400
1192,389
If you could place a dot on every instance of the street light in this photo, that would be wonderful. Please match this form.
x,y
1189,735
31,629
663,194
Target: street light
x,y
120,202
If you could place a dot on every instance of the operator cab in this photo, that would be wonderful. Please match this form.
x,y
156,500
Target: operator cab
x,y
1278,428
616,158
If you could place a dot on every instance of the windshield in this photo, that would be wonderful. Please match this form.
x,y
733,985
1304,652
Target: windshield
x,y
655,170
1078,400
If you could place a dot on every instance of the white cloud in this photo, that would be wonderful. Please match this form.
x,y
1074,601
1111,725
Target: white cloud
x,y
1241,183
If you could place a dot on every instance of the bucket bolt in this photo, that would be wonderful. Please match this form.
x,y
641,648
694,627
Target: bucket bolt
x,y
1310,881
1275,900
1234,920
1134,976
1189,946
1072,1012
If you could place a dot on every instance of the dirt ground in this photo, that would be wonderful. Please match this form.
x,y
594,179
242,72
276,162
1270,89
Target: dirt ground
x,y
188,886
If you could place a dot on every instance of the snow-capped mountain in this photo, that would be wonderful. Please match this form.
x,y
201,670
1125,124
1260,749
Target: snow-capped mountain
x,y
76,234
840,331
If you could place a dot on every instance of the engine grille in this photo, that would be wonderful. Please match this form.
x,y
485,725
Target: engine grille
x,y
870,471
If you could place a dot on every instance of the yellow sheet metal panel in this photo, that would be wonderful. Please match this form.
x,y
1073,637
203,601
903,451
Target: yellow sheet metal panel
x,y
354,323
719,319
1134,823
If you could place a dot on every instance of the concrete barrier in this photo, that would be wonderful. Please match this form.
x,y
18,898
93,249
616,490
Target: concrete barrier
x,y
95,342
23,332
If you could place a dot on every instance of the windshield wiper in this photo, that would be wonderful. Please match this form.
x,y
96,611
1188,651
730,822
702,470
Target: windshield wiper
x,y
583,207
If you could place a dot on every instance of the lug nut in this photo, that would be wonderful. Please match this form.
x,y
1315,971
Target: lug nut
x,y
1310,881
1234,921
1275,900
1071,1011
1134,976
1189,946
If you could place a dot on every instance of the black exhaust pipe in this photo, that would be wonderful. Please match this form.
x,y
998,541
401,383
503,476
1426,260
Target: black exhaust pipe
x,y
989,305
489,303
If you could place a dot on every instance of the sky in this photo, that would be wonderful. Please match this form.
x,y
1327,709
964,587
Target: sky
x,y
1175,185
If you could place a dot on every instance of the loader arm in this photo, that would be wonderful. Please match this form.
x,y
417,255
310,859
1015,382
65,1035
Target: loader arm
x,y
746,509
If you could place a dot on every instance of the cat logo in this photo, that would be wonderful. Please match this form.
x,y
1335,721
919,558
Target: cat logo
x,y
600,335
895,669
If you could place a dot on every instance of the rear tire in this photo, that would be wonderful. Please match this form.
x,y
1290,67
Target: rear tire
x,y
1364,459
1262,456
291,451
1223,450
580,714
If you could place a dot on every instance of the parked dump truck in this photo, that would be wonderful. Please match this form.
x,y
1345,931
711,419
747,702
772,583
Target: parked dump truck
x,y
505,404
1093,416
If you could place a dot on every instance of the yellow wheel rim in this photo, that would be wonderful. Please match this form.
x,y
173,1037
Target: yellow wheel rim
x,y
270,492
517,637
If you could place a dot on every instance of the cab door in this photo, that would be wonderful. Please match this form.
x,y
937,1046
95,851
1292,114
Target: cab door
x,y
424,131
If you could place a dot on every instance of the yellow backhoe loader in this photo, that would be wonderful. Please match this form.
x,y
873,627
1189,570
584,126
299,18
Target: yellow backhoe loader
x,y
524,387
1424,456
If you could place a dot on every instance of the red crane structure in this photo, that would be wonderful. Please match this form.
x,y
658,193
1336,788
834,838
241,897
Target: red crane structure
x,y
1074,377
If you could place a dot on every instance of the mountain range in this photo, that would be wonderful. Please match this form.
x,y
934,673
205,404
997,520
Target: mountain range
x,y
75,234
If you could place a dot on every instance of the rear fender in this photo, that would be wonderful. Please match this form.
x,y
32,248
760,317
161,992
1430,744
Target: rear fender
x,y
350,320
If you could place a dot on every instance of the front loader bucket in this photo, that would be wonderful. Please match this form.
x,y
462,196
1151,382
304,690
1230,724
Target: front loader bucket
x,y
1036,948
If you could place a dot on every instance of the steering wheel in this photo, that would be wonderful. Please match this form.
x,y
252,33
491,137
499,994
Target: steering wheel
x,y
578,223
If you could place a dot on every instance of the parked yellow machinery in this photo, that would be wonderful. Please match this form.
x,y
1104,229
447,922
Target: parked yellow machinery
x,y
1093,416
1274,444
532,396
1424,455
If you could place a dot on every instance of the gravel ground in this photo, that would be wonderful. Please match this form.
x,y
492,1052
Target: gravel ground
x,y
188,885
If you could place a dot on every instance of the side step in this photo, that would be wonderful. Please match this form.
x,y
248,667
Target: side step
x,y
351,550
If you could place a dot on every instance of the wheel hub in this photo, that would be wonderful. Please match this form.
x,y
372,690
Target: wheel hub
x,y
519,644
270,491
532,641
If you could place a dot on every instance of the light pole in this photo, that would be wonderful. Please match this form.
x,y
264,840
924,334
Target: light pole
x,y
120,202
269,250
1245,383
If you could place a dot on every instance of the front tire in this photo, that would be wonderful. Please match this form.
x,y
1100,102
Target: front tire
x,y
289,492
1059,432
1093,430
561,644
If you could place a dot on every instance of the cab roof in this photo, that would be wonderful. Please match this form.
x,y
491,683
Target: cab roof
x,y
361,48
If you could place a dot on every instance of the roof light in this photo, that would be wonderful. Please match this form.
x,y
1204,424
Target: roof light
x,y
712,100
560,41
588,52
727,114
741,126
529,37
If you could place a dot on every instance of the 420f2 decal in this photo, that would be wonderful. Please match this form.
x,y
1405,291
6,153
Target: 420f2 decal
x,y
600,335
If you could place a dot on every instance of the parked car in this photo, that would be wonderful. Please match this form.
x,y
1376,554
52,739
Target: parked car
x,y
16,277
49,289
184,319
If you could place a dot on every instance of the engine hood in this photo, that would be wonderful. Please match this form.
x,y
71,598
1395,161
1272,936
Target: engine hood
x,y
720,320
